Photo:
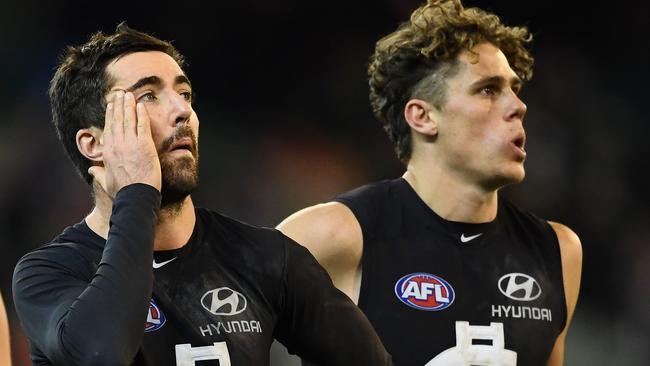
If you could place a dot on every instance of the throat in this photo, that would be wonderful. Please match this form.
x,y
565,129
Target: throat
x,y
175,225
453,201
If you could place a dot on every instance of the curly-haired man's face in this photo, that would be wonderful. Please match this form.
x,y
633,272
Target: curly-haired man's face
x,y
480,127
157,81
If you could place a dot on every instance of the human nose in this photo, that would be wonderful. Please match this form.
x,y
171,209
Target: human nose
x,y
181,109
516,107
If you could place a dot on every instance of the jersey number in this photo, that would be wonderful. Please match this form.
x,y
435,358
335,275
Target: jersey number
x,y
186,355
490,351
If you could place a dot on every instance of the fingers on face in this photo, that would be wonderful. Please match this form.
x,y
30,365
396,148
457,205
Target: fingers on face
x,y
118,114
108,119
129,115
144,127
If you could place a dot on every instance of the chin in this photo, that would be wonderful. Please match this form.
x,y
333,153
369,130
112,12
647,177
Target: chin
x,y
514,176
507,177
179,180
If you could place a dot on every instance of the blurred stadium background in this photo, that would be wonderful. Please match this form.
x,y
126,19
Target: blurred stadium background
x,y
282,98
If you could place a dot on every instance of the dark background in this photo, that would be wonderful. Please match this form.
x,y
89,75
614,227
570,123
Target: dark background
x,y
282,97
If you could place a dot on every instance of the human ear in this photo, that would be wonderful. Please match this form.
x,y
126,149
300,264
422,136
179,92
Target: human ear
x,y
418,115
90,143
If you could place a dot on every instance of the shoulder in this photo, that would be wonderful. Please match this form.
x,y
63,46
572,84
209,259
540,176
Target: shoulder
x,y
253,249
57,255
368,195
570,245
571,253
329,230
55,260
231,228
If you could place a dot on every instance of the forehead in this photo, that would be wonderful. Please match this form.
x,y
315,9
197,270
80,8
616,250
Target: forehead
x,y
130,68
485,60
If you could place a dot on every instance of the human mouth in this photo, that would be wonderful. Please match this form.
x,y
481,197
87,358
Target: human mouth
x,y
518,144
184,145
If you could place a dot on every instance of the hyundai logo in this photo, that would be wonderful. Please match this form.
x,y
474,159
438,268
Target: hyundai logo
x,y
223,301
519,286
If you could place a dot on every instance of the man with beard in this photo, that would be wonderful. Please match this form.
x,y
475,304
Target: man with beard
x,y
219,290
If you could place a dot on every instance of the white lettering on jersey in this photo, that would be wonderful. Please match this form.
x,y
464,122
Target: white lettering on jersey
x,y
466,354
421,291
521,312
186,355
234,326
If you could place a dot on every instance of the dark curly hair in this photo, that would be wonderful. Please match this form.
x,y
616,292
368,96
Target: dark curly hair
x,y
416,59
80,84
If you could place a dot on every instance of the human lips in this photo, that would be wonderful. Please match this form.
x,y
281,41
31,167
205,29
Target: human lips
x,y
518,143
182,144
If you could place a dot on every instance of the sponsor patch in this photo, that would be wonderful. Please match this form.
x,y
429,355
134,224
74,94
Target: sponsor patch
x,y
223,301
519,286
424,291
155,318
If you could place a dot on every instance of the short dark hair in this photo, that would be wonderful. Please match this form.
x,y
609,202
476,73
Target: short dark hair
x,y
80,84
416,60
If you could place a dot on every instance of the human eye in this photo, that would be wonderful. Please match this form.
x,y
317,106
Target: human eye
x,y
187,95
489,90
147,97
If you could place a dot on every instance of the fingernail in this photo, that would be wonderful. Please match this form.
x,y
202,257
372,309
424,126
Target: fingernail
x,y
128,96
109,106
119,94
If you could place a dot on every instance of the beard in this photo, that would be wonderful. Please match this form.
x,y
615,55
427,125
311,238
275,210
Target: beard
x,y
180,175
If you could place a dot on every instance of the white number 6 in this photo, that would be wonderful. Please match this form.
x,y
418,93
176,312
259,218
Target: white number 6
x,y
186,355
466,353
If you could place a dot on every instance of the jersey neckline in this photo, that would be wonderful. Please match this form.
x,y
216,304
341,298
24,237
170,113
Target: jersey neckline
x,y
463,231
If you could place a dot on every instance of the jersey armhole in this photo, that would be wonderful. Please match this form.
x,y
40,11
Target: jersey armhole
x,y
558,263
364,221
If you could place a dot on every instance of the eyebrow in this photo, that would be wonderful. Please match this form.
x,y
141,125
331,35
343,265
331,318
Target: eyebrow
x,y
156,81
515,81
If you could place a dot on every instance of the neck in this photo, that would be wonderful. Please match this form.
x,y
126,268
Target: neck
x,y
450,196
173,230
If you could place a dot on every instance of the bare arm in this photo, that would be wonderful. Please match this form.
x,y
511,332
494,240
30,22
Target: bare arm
x,y
5,344
571,251
333,235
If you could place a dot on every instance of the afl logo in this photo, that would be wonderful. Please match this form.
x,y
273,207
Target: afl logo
x,y
424,291
155,318
223,301
519,286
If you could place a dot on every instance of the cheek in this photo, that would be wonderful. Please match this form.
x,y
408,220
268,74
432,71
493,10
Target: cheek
x,y
159,134
194,124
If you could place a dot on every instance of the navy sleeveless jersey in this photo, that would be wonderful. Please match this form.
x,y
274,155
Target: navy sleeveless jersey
x,y
449,293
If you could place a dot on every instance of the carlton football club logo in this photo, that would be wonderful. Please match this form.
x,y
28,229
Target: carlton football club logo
x,y
424,291
155,318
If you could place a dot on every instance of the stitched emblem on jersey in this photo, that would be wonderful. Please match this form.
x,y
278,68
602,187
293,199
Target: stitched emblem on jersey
x,y
159,265
466,239
223,301
424,291
155,318
519,286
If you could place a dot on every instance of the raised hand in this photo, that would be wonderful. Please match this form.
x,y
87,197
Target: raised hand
x,y
129,152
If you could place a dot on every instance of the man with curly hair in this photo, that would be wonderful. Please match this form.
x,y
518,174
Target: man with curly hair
x,y
448,272
147,278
